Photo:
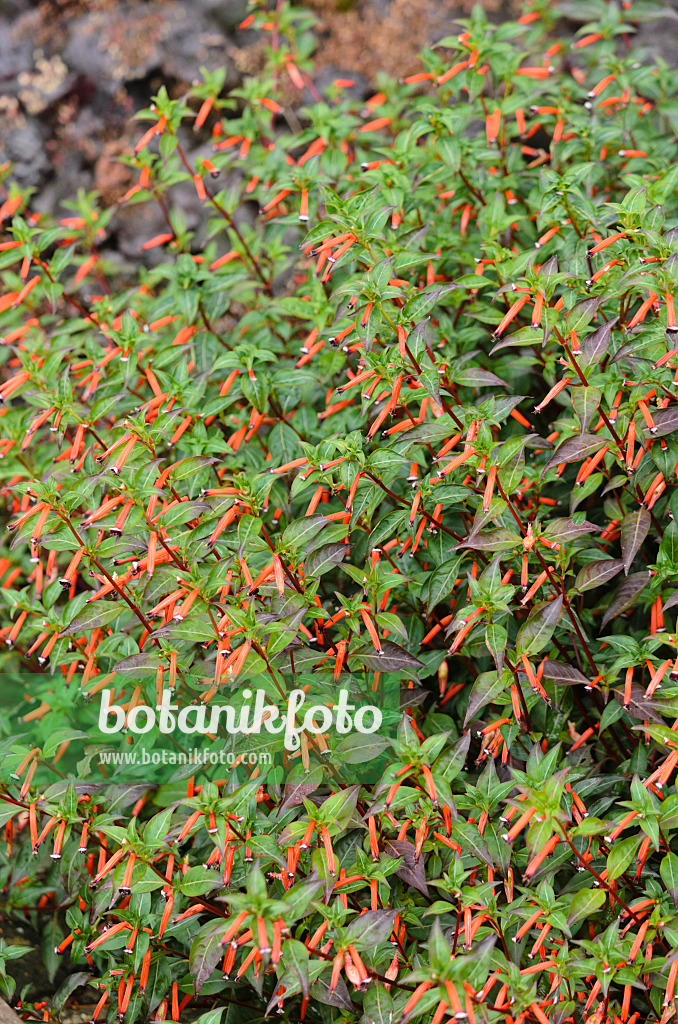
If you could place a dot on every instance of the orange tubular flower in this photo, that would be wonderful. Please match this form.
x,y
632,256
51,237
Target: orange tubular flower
x,y
337,965
511,314
371,629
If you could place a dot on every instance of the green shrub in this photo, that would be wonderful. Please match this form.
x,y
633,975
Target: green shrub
x,y
408,433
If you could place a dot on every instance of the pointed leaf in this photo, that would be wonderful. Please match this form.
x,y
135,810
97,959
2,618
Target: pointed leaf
x,y
574,449
562,674
500,539
665,422
625,595
471,842
377,1006
634,528
487,686
567,529
97,613
594,346
411,870
295,959
586,402
596,573
301,531
206,952
668,869
474,377
392,658
671,602
451,762
620,857
442,581
495,641
584,903
324,558
294,792
534,635
582,313
372,928
339,996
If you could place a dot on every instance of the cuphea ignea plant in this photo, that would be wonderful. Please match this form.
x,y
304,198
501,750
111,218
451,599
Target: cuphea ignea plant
x,y
408,432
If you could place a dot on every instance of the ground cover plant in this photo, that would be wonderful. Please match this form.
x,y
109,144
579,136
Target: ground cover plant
x,y
408,432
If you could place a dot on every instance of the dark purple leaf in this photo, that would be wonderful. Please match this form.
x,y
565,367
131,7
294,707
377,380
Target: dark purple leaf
x,y
665,422
486,688
145,661
586,402
206,952
474,377
594,346
392,658
505,404
671,602
562,674
566,529
500,539
295,792
634,528
371,929
411,870
574,449
594,574
339,996
295,959
495,641
625,595
638,706
536,632
324,558
549,268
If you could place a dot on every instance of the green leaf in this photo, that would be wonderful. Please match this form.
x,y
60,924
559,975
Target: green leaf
x,y
620,857
295,959
586,403
442,581
198,881
584,904
668,869
582,313
535,634
98,613
378,1005
495,641
298,534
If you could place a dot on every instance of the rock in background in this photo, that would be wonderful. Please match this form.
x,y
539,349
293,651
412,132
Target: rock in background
x,y
73,72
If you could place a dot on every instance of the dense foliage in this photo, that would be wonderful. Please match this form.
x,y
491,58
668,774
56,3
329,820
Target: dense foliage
x,y
401,421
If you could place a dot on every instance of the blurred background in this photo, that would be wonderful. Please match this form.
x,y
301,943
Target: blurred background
x,y
72,72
